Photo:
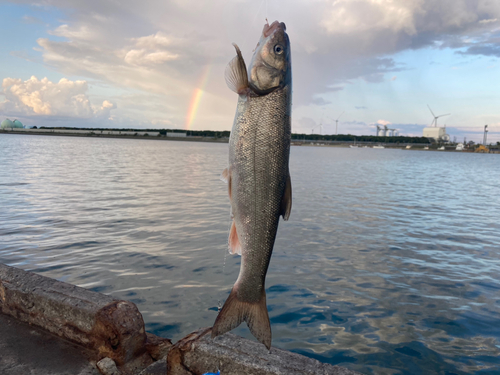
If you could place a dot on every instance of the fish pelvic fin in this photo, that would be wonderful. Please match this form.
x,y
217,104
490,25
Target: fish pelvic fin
x,y
286,203
234,312
236,73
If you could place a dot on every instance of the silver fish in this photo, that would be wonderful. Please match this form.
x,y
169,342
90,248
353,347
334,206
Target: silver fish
x,y
258,177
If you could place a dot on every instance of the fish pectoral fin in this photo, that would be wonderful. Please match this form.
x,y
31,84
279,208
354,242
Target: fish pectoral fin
x,y
234,241
225,175
286,203
236,73
234,312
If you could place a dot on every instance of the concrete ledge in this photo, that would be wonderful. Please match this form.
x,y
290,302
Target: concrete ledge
x,y
109,327
198,354
28,350
114,334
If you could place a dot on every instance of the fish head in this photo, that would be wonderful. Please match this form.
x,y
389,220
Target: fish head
x,y
271,67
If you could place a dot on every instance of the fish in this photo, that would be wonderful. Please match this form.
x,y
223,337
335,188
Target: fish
x,y
258,177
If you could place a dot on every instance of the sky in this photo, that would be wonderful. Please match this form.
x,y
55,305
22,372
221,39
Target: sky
x,y
160,64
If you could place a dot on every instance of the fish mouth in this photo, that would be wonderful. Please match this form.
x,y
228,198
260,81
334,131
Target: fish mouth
x,y
275,26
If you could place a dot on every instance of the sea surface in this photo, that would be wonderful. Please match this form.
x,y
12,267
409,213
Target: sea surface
x,y
389,264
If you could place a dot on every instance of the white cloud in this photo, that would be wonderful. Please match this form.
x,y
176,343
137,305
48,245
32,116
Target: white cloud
x,y
383,122
45,98
491,20
159,50
143,57
104,110
83,32
347,16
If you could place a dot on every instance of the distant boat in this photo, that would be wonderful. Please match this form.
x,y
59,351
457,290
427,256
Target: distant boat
x,y
379,146
408,147
426,147
441,148
460,147
353,146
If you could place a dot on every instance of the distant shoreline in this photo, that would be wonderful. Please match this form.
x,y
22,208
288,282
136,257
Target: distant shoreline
x,y
154,138
295,142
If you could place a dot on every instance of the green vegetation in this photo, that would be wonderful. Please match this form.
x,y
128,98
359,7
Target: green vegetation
x,y
296,137
359,138
208,133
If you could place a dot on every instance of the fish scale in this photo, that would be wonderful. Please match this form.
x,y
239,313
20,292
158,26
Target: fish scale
x,y
259,151
258,175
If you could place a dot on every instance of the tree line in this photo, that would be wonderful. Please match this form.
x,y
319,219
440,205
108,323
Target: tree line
x,y
295,136
359,138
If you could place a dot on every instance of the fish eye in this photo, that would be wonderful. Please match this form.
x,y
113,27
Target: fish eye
x,y
278,49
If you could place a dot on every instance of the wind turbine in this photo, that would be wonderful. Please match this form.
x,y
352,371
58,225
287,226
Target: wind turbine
x,y
336,122
320,126
435,121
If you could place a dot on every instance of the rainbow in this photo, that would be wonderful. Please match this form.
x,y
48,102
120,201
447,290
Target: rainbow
x,y
196,97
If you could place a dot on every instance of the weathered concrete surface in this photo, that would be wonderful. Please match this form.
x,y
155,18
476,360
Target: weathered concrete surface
x,y
109,327
197,354
108,367
26,349
157,368
157,347
111,333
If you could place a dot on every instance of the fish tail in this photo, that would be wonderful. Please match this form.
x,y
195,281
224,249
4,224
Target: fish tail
x,y
234,312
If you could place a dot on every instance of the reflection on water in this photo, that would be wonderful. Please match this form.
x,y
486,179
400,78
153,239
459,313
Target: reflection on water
x,y
389,263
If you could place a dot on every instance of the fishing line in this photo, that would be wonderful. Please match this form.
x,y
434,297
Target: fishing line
x,y
258,12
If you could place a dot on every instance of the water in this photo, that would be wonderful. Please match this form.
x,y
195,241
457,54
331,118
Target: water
x,y
389,263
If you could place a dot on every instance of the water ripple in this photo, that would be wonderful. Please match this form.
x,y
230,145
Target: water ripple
x,y
389,263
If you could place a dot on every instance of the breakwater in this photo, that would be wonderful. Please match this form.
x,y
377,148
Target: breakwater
x,y
113,333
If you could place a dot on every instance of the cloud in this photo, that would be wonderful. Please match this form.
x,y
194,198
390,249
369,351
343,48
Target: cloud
x,y
159,50
319,101
45,98
105,110
491,20
383,122
485,49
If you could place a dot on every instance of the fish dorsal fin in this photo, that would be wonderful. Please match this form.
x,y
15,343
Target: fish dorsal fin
x,y
286,203
236,73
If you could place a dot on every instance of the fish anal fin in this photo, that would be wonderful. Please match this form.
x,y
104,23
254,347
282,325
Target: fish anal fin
x,y
234,312
234,241
286,203
236,73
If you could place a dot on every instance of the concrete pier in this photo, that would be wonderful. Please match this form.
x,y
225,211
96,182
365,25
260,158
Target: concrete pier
x,y
51,327
26,349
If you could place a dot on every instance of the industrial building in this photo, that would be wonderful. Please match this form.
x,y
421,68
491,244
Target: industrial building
x,y
434,131
437,134
384,131
8,124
